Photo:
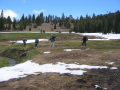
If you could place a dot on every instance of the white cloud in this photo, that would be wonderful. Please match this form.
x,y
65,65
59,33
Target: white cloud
x,y
38,11
10,13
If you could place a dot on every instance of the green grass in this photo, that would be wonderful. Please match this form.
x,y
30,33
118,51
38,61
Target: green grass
x,y
92,44
3,62
30,54
30,51
104,45
64,41
20,36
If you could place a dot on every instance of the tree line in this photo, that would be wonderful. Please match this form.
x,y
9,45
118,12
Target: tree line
x,y
106,23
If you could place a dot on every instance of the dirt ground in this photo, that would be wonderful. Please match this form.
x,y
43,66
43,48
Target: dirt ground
x,y
107,79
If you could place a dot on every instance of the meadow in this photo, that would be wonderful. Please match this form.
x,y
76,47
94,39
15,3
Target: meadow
x,y
95,53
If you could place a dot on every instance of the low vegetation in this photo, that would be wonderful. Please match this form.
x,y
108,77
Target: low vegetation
x,y
63,41
3,62
95,53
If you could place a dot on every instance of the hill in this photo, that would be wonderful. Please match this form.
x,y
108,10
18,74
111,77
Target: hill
x,y
48,27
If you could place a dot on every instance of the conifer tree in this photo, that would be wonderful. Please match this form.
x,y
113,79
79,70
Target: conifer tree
x,y
14,24
22,20
46,19
81,25
60,23
9,22
55,26
76,28
21,25
2,21
117,21
33,18
29,19
39,19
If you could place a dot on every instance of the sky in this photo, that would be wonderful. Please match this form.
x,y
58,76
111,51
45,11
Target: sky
x,y
76,8
29,67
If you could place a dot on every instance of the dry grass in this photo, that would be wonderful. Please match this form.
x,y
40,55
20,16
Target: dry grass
x,y
48,28
56,81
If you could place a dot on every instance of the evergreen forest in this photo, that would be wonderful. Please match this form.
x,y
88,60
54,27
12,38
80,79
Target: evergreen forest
x,y
106,23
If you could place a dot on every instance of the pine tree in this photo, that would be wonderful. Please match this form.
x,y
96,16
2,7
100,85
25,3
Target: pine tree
x,y
2,21
9,22
39,19
14,24
60,23
33,18
29,19
21,25
105,27
46,19
119,28
55,26
76,28
81,25
2,15
117,21
22,20
26,21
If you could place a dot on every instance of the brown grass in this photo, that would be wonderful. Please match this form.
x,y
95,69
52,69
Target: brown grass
x,y
56,81
48,27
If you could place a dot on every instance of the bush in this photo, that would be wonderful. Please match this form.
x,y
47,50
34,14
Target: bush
x,y
29,28
35,26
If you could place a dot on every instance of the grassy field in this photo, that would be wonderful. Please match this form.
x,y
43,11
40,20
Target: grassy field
x,y
3,63
95,53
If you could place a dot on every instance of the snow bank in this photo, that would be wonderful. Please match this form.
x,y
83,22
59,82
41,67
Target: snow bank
x,y
29,41
29,67
103,36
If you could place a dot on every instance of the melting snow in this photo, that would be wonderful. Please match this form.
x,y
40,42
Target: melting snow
x,y
110,62
71,49
46,52
29,41
104,36
97,86
29,67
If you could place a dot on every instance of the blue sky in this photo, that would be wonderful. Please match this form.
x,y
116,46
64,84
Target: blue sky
x,y
76,8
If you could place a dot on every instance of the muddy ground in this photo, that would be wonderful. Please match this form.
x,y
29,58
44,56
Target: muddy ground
x,y
107,79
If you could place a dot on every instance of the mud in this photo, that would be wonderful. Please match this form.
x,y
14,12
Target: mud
x,y
14,54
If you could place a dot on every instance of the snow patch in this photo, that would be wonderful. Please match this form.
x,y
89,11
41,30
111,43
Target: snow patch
x,y
97,86
103,36
110,62
29,41
29,67
71,49
46,52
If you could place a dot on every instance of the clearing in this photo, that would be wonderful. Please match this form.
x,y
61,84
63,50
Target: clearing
x,y
93,79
